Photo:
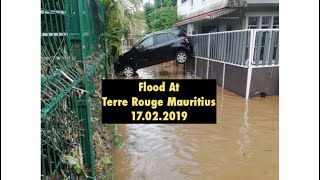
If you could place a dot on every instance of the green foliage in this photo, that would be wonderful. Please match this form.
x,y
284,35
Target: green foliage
x,y
116,135
164,3
123,18
106,160
163,18
74,161
148,9
161,15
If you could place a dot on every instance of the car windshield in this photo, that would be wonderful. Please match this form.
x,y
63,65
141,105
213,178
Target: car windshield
x,y
140,40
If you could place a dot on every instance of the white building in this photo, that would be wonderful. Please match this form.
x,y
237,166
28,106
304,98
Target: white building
x,y
203,16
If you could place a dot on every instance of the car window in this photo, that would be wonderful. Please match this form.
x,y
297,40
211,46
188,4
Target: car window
x,y
147,42
171,37
162,38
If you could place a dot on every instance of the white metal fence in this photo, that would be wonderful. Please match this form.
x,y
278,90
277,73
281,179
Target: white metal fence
x,y
254,48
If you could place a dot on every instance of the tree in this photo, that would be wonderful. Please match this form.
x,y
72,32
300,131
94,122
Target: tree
x,y
123,17
161,15
164,3
148,9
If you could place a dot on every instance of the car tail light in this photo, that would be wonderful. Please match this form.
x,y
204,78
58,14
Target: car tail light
x,y
186,39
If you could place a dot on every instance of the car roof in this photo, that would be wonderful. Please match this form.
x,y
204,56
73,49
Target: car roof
x,y
167,30
160,32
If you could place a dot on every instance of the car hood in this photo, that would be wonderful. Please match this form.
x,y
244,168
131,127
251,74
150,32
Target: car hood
x,y
126,56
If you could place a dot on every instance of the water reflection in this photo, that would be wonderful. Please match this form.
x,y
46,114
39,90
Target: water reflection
x,y
244,130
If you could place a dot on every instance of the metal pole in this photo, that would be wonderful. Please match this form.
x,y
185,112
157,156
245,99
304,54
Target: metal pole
x,y
195,66
208,53
208,64
83,103
223,74
250,60
208,48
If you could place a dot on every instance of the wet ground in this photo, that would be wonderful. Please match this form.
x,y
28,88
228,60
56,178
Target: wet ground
x,y
243,145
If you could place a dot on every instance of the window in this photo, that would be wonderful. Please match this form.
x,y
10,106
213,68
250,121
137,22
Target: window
x,y
183,1
209,29
275,22
162,38
171,37
253,22
263,22
266,22
146,43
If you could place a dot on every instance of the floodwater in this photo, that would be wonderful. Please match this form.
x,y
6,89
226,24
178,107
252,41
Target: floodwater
x,y
243,145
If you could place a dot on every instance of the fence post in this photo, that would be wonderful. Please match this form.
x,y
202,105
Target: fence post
x,y
223,74
208,48
195,66
250,60
208,54
83,102
208,64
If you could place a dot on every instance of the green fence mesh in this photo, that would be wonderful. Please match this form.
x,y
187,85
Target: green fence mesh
x,y
72,49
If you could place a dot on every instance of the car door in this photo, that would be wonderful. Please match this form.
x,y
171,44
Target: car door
x,y
164,47
145,52
172,41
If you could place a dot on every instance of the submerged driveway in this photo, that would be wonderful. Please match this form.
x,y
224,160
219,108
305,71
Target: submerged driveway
x,y
242,145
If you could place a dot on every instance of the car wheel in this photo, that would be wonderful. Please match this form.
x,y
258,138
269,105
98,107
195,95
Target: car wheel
x,y
128,71
181,57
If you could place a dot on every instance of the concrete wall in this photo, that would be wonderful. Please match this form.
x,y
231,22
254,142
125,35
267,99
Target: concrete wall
x,y
235,77
263,79
201,70
216,72
190,66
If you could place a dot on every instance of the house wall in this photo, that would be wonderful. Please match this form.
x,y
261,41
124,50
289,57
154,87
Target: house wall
x,y
199,6
262,1
190,28
195,7
265,80
221,24
254,8
254,12
235,24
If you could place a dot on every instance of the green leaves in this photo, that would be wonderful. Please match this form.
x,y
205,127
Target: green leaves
x,y
74,160
70,160
106,160
74,163
123,18
159,18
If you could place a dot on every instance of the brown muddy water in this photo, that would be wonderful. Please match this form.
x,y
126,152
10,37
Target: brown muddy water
x,y
243,145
